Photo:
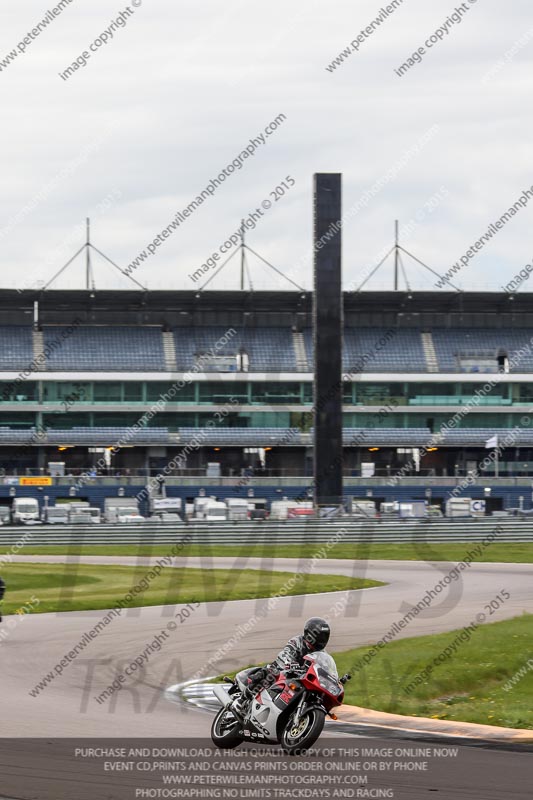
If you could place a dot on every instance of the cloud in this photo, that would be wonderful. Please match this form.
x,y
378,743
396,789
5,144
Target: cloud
x,y
184,86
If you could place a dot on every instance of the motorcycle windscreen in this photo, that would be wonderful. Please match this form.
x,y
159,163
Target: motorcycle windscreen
x,y
325,662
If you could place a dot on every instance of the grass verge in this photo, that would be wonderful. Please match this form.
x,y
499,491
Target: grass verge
x,y
469,686
60,587
497,552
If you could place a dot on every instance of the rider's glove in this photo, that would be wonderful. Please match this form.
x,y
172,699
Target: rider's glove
x,y
293,670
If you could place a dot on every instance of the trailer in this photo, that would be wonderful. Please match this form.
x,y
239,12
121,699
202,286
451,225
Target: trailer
x,y
216,511
79,515
168,509
363,508
238,508
56,515
459,507
119,506
415,509
96,515
282,509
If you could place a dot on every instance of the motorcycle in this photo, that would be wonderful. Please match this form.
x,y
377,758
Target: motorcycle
x,y
291,712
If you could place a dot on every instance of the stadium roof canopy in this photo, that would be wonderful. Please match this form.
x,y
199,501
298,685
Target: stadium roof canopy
x,y
156,307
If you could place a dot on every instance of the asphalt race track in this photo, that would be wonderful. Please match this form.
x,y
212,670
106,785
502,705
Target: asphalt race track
x,y
67,707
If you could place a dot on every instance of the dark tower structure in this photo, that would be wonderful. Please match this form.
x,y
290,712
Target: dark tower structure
x,y
327,333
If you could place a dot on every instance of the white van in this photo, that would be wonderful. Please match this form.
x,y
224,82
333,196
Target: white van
x,y
215,511
25,510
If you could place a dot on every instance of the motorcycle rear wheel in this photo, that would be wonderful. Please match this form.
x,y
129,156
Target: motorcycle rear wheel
x,y
226,730
296,738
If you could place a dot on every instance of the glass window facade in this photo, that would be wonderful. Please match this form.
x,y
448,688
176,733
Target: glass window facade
x,y
14,419
523,393
156,391
23,392
108,392
272,392
358,419
257,403
372,394
133,392
266,392
62,421
220,393
69,391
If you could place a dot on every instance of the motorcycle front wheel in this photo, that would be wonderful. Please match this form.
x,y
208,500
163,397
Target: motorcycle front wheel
x,y
226,730
297,737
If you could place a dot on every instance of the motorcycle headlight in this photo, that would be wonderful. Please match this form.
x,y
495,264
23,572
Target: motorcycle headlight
x,y
330,686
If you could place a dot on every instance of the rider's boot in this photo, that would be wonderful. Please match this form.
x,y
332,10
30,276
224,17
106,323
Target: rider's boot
x,y
241,706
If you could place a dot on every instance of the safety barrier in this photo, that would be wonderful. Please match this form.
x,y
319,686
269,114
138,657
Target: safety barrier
x,y
272,532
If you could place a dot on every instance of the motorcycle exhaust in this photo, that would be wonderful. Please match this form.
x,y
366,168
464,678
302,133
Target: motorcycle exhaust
x,y
221,693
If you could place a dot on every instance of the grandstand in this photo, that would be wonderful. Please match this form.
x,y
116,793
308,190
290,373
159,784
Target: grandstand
x,y
100,348
82,371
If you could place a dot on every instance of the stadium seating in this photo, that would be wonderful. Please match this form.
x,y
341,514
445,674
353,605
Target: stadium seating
x,y
376,350
477,437
268,349
16,347
100,348
450,344
110,435
399,437
89,436
372,350
213,349
260,437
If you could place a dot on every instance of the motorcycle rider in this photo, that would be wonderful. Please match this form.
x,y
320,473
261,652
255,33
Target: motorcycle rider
x,y
315,637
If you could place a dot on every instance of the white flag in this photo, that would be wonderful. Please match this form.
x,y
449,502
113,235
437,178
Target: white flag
x,y
492,442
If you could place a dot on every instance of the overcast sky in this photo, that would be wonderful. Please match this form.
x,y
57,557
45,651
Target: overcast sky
x,y
178,92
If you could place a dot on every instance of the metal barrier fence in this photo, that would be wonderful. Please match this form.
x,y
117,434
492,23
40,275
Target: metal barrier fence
x,y
271,532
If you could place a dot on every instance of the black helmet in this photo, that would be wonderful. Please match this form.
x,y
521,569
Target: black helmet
x,y
316,633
